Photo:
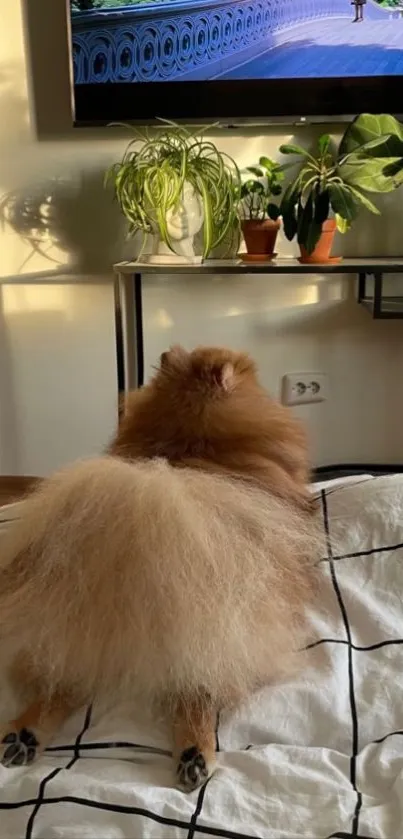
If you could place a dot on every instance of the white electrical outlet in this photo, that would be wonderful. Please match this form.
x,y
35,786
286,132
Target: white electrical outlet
x,y
303,388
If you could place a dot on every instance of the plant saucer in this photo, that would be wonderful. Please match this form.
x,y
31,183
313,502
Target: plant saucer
x,y
257,257
333,260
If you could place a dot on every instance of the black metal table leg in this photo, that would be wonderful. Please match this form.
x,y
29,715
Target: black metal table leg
x,y
120,355
120,342
129,334
376,301
362,286
381,306
138,314
378,288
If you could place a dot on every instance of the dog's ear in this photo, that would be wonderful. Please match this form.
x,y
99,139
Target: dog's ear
x,y
223,376
176,358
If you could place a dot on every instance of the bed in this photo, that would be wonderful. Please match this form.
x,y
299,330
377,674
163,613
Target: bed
x,y
320,757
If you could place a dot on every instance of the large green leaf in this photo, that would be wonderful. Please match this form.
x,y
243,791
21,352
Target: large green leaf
x,y
322,206
314,233
342,224
324,143
371,128
304,216
342,201
292,191
254,170
364,200
291,148
309,230
369,173
288,210
268,164
394,170
289,223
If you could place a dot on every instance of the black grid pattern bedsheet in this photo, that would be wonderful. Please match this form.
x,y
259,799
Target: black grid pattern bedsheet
x,y
321,757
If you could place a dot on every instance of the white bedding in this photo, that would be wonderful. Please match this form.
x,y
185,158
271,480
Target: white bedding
x,y
318,758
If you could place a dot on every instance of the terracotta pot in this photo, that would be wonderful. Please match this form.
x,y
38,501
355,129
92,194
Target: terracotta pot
x,y
260,235
321,252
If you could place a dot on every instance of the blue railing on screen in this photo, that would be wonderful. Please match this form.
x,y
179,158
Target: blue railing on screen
x,y
166,39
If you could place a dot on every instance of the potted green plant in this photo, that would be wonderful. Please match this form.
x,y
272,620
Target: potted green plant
x,y
259,214
173,184
331,186
373,148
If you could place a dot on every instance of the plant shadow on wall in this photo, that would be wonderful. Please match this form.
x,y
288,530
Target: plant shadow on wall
x,y
70,222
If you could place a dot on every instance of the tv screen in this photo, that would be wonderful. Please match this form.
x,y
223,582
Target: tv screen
x,y
235,60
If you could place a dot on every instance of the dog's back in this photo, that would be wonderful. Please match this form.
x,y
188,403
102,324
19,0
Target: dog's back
x,y
155,578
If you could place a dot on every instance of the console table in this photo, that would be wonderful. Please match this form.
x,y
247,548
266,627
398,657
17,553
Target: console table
x,y
129,297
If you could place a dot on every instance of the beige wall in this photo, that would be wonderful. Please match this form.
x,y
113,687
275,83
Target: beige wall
x,y
57,370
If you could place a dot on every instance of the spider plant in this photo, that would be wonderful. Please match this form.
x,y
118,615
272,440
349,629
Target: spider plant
x,y
151,176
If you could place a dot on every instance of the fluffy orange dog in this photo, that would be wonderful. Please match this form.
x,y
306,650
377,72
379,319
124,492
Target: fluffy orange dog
x,y
187,586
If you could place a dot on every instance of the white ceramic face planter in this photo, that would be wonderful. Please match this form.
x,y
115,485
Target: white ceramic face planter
x,y
183,223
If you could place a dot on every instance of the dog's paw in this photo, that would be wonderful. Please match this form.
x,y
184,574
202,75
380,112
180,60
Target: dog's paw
x,y
193,770
18,748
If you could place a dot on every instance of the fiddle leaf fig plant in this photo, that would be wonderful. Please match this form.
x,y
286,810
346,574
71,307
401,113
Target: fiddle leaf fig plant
x,y
333,181
373,148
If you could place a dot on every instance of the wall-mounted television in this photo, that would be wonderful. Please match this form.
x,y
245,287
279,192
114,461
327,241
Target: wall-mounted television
x,y
235,60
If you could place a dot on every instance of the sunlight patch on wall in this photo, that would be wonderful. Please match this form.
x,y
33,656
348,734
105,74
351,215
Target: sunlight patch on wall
x,y
19,257
234,313
309,295
163,319
18,299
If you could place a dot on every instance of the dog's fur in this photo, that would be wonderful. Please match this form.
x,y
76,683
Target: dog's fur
x,y
207,410
158,579
135,575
